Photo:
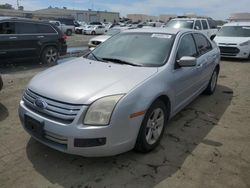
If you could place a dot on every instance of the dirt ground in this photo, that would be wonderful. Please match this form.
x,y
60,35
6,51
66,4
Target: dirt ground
x,y
78,40
206,145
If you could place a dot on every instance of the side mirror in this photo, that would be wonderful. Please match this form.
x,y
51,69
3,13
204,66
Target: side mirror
x,y
187,61
212,37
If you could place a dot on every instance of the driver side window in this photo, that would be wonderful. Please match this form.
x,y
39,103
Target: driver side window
x,y
186,47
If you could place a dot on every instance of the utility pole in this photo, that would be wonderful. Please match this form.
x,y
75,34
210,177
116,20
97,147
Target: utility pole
x,y
17,2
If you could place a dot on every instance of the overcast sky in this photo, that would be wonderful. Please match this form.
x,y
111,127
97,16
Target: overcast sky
x,y
217,9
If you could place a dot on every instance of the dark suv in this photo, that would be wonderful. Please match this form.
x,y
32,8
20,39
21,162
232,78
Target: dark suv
x,y
30,39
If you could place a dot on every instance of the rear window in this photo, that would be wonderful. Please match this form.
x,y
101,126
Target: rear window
x,y
212,24
33,28
187,24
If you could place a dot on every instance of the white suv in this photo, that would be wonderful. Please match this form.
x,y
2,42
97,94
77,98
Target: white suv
x,y
234,40
205,25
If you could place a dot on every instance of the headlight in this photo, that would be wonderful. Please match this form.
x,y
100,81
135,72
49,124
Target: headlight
x,y
245,43
99,112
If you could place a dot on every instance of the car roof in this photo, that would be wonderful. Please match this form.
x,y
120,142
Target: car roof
x,y
190,19
158,30
237,24
22,19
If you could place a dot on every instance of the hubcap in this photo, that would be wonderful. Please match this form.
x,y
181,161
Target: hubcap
x,y
154,126
51,56
213,81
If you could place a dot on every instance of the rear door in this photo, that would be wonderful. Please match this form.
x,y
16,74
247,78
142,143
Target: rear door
x,y
205,58
8,38
186,79
205,28
27,40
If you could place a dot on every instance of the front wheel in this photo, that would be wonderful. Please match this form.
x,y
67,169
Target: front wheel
x,y
50,55
93,33
152,127
212,83
69,32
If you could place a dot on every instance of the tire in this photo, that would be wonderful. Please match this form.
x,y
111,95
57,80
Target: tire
x,y
151,132
93,33
212,83
50,55
69,32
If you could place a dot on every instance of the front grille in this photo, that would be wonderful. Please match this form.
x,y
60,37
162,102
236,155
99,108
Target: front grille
x,y
56,110
96,43
230,51
227,44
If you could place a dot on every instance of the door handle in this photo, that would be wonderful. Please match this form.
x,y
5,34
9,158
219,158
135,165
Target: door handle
x,y
12,37
40,37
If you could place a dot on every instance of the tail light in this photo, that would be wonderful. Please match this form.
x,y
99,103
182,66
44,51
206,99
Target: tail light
x,y
64,37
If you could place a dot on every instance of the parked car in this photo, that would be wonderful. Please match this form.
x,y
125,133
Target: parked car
x,y
100,39
206,25
67,29
28,39
234,40
1,83
94,30
121,95
80,29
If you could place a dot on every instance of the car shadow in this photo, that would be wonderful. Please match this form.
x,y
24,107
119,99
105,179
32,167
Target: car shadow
x,y
4,113
184,133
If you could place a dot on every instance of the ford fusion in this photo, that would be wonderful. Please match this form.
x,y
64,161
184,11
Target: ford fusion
x,y
234,40
121,95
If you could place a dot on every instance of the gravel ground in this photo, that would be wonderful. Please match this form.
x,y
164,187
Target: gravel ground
x,y
205,145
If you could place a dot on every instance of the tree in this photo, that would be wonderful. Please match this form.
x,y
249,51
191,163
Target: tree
x,y
6,6
20,8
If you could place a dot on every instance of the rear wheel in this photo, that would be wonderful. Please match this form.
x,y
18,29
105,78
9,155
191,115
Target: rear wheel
x,y
212,83
50,55
152,127
69,32
93,33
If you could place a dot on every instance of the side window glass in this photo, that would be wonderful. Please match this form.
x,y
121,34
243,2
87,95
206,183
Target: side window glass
x,y
212,24
41,28
204,24
197,25
202,43
7,28
186,47
26,28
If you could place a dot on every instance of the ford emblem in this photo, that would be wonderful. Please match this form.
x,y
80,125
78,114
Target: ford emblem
x,y
40,103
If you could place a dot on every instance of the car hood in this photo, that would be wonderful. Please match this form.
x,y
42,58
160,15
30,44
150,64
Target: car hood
x,y
233,40
82,81
100,38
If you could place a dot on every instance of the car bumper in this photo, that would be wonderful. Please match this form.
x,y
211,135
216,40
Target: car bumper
x,y
75,138
235,51
90,45
63,50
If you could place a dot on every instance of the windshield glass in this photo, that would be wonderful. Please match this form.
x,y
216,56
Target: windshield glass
x,y
234,31
187,24
112,32
145,49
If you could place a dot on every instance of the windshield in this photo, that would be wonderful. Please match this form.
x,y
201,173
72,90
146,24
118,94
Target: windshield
x,y
187,24
112,32
145,49
234,31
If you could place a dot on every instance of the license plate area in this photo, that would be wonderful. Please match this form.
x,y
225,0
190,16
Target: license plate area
x,y
34,126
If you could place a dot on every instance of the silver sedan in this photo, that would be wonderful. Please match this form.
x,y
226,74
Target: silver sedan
x,y
121,95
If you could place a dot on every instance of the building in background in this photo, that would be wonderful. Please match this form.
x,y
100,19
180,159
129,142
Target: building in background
x,y
240,17
55,13
167,17
142,17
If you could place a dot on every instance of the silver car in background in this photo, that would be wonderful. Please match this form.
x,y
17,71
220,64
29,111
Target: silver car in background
x,y
121,95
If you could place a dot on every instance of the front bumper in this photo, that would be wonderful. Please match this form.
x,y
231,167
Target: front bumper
x,y
115,139
234,51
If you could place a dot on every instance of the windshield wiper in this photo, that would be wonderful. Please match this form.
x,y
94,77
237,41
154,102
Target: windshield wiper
x,y
115,60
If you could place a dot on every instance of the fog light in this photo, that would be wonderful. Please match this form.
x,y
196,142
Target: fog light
x,y
91,142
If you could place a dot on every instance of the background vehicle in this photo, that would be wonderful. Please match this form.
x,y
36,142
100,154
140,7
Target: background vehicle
x,y
94,30
234,40
29,39
67,29
206,25
130,91
1,83
100,39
